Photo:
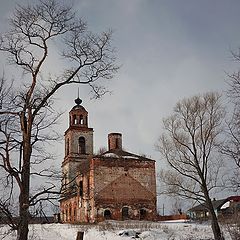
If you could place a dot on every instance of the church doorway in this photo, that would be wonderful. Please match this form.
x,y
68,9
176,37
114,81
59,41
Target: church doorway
x,y
125,213
107,214
143,214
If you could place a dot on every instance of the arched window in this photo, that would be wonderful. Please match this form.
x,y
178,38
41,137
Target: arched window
x,y
81,188
67,147
81,120
107,214
70,212
125,214
74,119
81,145
66,211
143,214
74,214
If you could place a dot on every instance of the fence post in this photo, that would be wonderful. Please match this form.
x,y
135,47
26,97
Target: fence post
x,y
79,235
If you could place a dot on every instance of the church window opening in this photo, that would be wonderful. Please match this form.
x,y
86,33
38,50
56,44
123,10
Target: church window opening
x,y
125,213
88,186
82,145
67,147
81,120
74,119
74,214
81,188
107,214
64,180
70,212
143,214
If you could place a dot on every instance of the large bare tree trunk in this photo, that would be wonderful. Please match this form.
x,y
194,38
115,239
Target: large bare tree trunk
x,y
22,232
214,221
190,145
24,207
215,227
25,183
26,113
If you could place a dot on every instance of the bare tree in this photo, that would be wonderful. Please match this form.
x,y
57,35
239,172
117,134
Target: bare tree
x,y
189,145
231,147
27,117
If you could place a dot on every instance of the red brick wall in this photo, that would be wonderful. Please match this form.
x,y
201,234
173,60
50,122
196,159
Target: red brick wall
x,y
172,217
106,171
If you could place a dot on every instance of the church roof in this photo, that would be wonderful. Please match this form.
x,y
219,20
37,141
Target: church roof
x,y
78,107
119,153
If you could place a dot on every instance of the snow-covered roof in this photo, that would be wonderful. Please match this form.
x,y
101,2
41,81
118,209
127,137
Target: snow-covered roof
x,y
118,153
202,207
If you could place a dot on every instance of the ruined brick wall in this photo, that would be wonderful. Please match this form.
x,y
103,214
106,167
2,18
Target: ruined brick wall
x,y
107,170
113,179
68,209
75,207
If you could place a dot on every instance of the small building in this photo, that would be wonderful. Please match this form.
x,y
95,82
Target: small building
x,y
226,207
115,184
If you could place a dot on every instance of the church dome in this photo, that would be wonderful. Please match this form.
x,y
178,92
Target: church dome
x,y
78,105
78,116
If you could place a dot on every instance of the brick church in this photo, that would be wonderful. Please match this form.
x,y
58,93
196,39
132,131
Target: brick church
x,y
115,184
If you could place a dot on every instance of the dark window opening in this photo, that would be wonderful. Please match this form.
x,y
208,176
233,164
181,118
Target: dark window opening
x,y
88,187
82,145
81,188
143,214
67,147
125,214
74,119
64,181
74,214
70,213
116,142
81,120
107,214
66,213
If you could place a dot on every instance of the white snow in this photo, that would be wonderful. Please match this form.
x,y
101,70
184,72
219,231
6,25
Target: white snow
x,y
119,231
111,155
131,157
225,205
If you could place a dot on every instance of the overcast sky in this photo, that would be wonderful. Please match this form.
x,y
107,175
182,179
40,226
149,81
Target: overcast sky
x,y
168,49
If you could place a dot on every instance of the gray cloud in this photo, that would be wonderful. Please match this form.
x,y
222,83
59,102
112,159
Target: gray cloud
x,y
168,50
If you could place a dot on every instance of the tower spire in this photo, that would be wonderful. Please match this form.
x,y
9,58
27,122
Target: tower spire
x,y
78,101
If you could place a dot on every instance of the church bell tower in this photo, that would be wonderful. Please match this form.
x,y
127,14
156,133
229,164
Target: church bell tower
x,y
78,144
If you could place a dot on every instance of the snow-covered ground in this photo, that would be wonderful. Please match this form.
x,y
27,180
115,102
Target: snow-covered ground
x,y
119,231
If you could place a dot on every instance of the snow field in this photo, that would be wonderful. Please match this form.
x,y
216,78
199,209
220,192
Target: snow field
x,y
112,231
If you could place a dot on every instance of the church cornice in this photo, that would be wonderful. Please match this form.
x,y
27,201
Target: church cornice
x,y
79,128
